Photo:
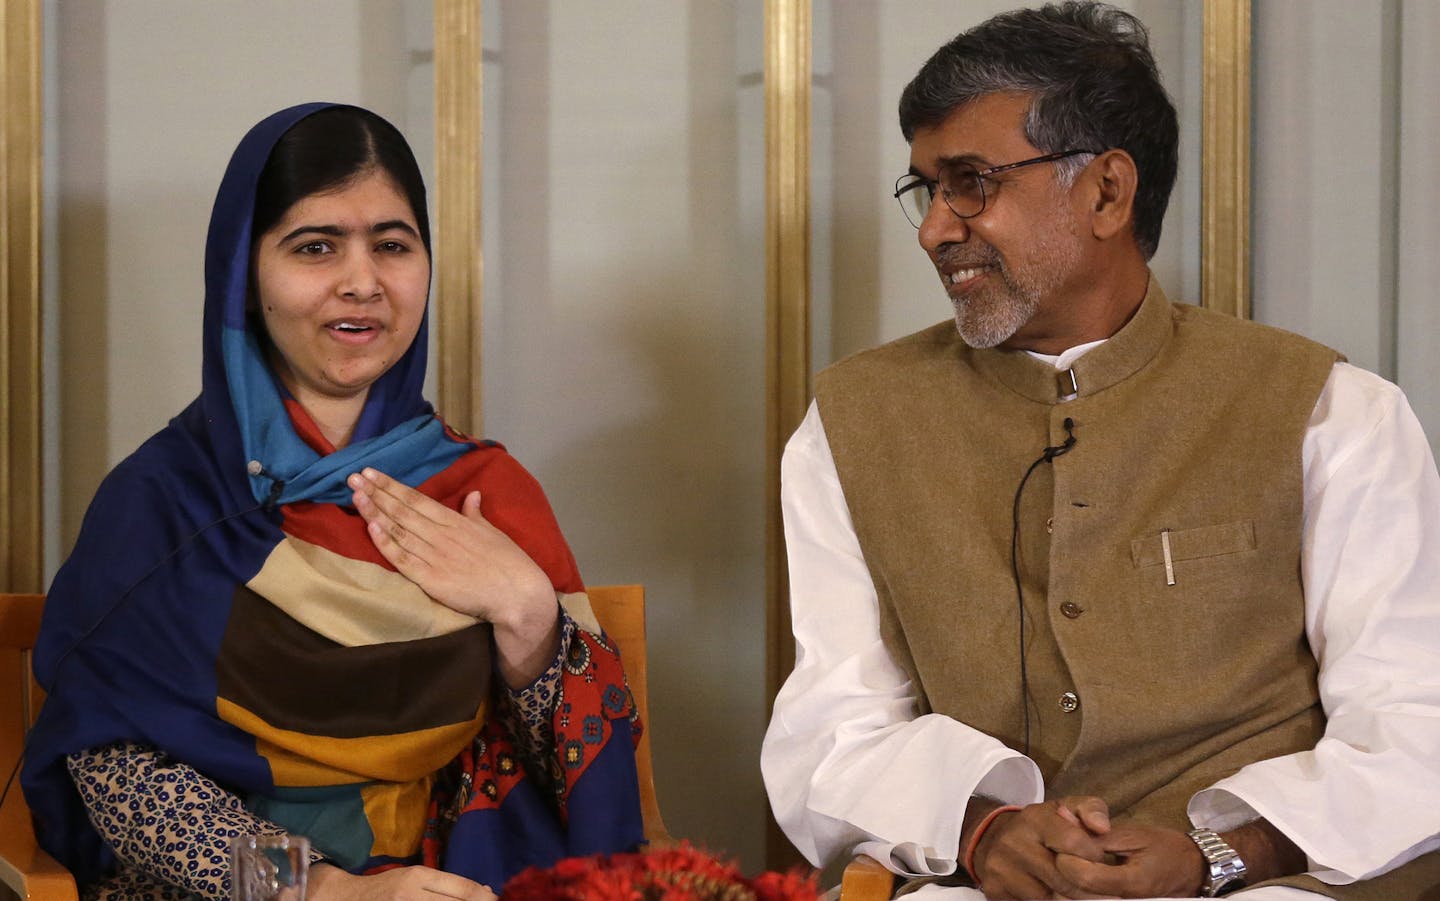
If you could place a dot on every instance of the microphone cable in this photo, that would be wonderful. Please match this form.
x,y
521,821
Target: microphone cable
x,y
1046,456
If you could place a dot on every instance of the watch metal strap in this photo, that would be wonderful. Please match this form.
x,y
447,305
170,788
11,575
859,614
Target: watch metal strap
x,y
1224,870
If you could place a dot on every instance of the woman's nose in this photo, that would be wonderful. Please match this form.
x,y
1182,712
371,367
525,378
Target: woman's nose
x,y
360,278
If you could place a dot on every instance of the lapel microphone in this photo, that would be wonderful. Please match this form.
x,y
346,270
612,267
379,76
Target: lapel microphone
x,y
1060,449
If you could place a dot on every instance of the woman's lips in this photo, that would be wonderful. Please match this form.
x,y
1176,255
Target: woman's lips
x,y
354,331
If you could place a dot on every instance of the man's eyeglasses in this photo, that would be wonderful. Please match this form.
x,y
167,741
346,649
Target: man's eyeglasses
x,y
961,185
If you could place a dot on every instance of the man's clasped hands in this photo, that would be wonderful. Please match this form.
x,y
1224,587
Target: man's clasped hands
x,y
1068,848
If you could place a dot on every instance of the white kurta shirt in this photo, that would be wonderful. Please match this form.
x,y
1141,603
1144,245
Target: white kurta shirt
x,y
850,767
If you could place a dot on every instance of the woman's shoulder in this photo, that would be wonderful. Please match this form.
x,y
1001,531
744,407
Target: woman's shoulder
x,y
166,489
486,465
511,499
507,488
174,464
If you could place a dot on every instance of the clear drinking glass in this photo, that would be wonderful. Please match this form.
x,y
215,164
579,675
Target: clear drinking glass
x,y
269,867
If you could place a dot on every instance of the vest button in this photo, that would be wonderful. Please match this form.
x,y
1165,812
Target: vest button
x,y
1071,609
1069,702
1050,526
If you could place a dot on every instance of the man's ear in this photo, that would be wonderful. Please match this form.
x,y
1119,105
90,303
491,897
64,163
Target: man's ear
x,y
1113,177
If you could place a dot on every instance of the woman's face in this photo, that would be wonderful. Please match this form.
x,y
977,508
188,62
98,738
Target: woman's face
x,y
342,281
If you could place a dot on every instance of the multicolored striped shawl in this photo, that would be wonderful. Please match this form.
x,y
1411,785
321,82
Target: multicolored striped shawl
x,y
224,605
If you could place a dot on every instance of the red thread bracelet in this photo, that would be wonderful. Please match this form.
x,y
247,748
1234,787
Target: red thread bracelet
x,y
978,834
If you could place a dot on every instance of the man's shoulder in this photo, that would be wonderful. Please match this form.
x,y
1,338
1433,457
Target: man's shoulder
x,y
1245,335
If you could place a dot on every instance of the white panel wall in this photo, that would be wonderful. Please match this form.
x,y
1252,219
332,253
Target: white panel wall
x,y
1324,165
1417,332
1347,190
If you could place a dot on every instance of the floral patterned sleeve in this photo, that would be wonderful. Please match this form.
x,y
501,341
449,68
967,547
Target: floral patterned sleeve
x,y
182,853
529,712
548,734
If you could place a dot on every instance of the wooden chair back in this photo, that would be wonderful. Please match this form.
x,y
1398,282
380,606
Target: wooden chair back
x,y
865,879
621,612
25,871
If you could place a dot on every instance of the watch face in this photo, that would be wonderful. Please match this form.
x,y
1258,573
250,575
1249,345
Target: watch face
x,y
1234,884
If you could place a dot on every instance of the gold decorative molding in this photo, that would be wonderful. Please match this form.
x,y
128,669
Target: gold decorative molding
x,y
459,262
21,531
787,279
787,306
1225,158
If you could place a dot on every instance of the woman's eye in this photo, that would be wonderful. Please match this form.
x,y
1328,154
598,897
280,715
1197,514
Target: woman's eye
x,y
313,248
392,247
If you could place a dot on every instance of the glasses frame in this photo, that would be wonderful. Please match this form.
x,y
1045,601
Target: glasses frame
x,y
903,187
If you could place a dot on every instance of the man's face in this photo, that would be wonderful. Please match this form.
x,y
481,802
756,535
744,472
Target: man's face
x,y
1006,270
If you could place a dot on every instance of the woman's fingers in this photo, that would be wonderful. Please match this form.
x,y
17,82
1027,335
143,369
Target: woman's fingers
x,y
401,504
470,508
418,524
458,558
403,524
409,564
448,885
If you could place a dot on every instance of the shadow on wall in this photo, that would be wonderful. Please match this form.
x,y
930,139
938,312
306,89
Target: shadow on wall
x,y
82,314
854,227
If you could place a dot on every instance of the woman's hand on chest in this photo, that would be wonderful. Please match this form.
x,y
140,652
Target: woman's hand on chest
x,y
456,557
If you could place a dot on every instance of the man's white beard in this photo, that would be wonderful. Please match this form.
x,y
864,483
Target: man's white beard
x,y
993,314
986,322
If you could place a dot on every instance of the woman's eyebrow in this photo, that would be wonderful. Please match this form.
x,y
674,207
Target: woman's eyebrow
x,y
335,231
392,225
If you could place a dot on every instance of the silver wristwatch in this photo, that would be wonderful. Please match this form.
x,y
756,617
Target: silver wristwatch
x,y
1224,870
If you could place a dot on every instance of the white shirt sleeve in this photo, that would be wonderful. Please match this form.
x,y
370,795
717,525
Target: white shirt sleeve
x,y
1367,798
847,763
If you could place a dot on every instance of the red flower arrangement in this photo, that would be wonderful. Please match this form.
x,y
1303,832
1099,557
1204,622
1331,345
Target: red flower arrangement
x,y
681,873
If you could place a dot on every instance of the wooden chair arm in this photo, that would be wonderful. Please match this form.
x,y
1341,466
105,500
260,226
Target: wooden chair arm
x,y
24,869
865,879
28,871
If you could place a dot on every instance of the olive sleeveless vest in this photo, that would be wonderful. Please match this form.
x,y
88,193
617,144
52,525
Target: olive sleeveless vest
x,y
1158,556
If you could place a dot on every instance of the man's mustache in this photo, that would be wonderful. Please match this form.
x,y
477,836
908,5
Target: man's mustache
x,y
966,256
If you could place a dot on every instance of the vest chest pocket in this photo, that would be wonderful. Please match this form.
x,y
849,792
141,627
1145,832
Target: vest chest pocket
x,y
1165,549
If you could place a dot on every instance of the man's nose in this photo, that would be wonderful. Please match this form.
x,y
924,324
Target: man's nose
x,y
942,226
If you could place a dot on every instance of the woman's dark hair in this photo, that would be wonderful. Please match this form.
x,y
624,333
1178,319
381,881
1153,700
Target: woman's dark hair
x,y
327,150
1095,85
